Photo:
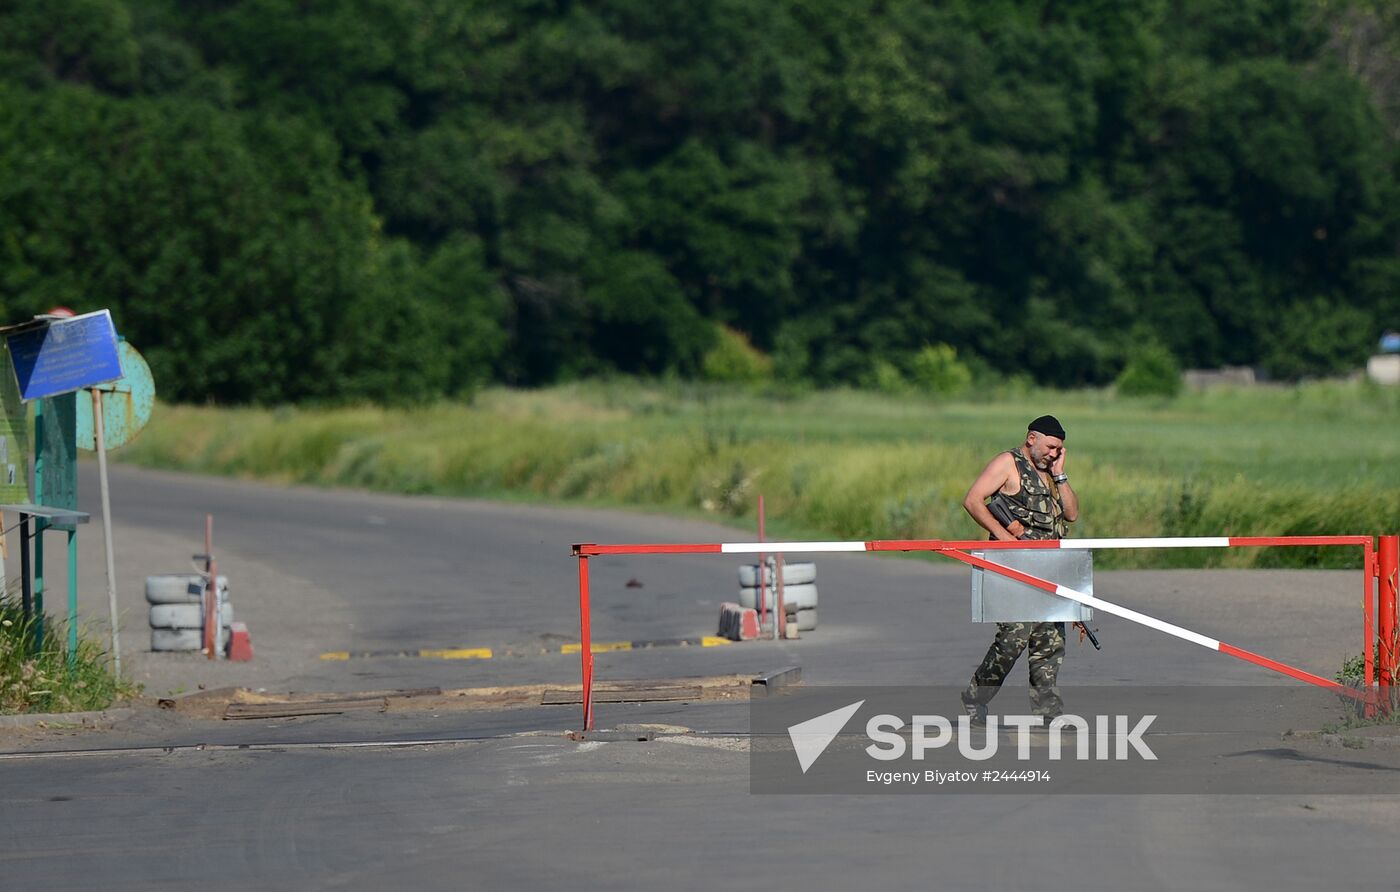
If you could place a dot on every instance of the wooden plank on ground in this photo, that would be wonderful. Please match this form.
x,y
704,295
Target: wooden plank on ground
x,y
295,697
555,697
292,710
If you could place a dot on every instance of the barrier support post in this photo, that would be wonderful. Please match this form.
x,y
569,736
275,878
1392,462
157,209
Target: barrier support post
x,y
1368,612
213,623
1388,567
782,608
586,643
762,566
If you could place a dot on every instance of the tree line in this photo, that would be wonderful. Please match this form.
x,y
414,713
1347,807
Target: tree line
x,y
405,199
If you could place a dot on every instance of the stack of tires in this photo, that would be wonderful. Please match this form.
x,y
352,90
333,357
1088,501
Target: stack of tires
x,y
177,611
799,591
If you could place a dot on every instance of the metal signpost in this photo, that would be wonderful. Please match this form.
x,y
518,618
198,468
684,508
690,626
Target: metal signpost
x,y
106,527
52,357
110,421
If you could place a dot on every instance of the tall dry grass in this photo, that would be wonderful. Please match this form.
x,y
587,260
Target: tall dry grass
x,y
1319,458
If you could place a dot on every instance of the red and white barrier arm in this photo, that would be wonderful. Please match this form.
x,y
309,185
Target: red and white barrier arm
x,y
587,549
1153,623
954,549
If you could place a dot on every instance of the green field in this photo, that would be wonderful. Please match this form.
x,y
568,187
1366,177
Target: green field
x,y
1311,459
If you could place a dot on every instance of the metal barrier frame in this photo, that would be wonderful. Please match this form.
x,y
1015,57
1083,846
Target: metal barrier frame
x,y
1376,566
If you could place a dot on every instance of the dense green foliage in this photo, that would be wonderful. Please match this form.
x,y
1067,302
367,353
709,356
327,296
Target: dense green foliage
x,y
403,199
1152,371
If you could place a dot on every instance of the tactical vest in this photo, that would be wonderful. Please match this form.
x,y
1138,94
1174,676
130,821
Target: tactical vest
x,y
1037,504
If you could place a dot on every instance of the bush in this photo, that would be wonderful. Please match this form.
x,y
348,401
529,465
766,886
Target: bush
x,y
938,370
1153,371
734,359
885,377
1317,338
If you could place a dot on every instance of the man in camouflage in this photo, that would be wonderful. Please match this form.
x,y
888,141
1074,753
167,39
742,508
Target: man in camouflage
x,y
1032,485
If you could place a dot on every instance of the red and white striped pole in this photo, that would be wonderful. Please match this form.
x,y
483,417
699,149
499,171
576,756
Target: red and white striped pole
x,y
585,642
212,621
1384,565
1152,623
762,585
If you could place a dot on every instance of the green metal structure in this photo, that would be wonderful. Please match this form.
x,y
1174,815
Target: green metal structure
x,y
56,486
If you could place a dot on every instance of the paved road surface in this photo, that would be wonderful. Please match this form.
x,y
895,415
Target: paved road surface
x,y
317,571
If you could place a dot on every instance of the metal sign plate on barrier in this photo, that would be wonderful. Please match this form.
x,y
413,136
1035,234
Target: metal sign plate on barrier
x,y
998,599
65,354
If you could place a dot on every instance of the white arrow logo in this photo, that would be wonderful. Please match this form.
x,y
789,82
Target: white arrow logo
x,y
811,738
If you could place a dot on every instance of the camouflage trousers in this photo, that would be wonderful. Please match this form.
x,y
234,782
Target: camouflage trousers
x,y
1046,642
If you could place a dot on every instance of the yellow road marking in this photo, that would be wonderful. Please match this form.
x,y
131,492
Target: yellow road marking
x,y
457,653
485,653
599,647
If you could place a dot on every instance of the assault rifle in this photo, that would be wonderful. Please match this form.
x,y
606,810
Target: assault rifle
x,y
997,505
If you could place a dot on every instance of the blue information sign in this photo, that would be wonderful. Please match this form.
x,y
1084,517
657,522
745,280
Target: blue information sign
x,y
65,355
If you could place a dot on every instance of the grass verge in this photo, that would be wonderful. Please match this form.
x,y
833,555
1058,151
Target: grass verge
x,y
1353,712
40,680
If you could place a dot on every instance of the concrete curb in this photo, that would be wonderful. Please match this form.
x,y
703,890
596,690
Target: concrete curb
x,y
771,682
1358,739
85,719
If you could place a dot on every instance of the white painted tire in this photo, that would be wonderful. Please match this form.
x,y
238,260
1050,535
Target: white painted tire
x,y
796,573
182,639
185,616
179,588
806,620
795,597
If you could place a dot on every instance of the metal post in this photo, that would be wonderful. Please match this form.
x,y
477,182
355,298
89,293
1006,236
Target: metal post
x,y
72,597
1388,565
26,593
39,525
770,591
1368,611
762,568
218,651
782,608
211,591
586,643
107,528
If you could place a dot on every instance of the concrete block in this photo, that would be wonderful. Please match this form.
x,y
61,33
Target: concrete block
x,y
737,623
240,645
1384,368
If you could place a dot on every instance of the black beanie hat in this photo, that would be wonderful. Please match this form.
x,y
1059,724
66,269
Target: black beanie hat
x,y
1048,425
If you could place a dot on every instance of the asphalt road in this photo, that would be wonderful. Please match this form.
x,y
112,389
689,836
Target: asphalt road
x,y
505,800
